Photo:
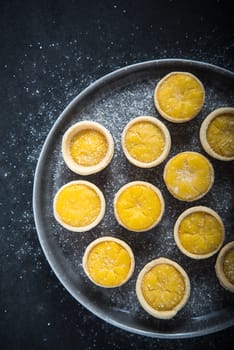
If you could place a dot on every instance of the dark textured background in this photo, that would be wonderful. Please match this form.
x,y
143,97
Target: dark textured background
x,y
49,52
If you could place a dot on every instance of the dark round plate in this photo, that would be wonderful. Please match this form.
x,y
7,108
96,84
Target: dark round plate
x,y
113,100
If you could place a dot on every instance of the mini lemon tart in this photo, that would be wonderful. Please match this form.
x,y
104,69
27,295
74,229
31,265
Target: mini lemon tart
x,y
188,176
224,266
179,96
146,141
108,262
87,147
217,134
199,232
163,288
79,206
138,206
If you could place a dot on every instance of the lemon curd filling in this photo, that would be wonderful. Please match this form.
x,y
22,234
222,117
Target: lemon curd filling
x,y
78,205
188,176
163,287
180,96
200,233
145,141
228,265
88,147
108,263
138,207
220,135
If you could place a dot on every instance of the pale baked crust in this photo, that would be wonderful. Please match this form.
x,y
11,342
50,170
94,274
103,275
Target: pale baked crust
x,y
71,132
203,132
96,221
194,198
181,218
162,314
106,239
154,188
167,138
157,105
225,283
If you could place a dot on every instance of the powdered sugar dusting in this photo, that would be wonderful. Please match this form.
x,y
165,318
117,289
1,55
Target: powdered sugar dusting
x,y
113,105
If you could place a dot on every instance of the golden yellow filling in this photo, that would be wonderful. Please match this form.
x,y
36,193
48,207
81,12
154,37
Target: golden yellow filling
x,y
108,263
138,207
200,233
163,287
220,135
188,175
180,96
145,141
88,147
228,265
78,205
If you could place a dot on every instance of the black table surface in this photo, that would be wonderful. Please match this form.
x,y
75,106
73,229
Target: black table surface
x,y
51,51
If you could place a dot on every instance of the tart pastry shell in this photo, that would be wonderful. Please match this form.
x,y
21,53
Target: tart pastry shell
x,y
223,280
96,221
182,217
164,114
66,143
167,139
156,313
108,239
152,187
203,132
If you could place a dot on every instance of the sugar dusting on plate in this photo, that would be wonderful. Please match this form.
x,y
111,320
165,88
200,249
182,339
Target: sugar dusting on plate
x,y
114,106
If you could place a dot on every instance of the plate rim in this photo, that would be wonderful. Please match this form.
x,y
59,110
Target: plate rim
x,y
50,257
